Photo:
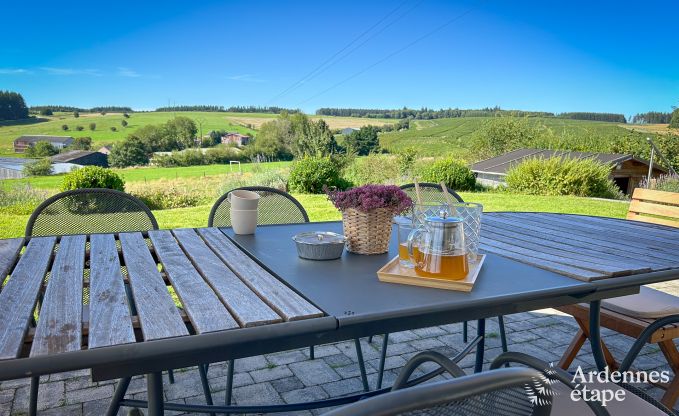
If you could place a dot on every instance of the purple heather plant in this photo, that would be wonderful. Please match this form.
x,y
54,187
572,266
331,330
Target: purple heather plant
x,y
369,197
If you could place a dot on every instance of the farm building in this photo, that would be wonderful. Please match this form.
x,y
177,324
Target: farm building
x,y
626,170
105,149
82,158
13,167
347,131
24,142
236,138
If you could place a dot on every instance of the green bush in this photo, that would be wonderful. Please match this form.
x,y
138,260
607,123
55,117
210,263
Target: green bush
x,y
131,152
310,174
373,169
667,183
562,176
41,149
92,177
406,161
192,157
453,172
41,167
674,121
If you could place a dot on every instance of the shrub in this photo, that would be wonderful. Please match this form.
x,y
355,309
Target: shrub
x,y
454,173
131,152
123,123
93,126
310,174
46,112
64,127
79,128
373,169
92,177
113,128
41,149
562,176
81,143
76,114
126,115
41,167
667,183
406,161
674,122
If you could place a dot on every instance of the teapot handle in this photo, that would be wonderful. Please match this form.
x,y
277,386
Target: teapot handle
x,y
413,237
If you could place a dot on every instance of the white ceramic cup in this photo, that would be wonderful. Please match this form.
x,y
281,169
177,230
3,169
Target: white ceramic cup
x,y
241,200
244,221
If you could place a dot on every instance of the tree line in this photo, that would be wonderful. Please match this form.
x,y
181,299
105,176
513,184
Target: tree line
x,y
41,109
12,106
427,113
652,117
232,109
610,117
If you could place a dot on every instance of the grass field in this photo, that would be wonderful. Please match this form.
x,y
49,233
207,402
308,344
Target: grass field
x,y
320,209
451,135
103,135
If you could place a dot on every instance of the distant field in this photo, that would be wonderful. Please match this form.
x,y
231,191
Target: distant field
x,y
103,135
256,120
647,128
451,135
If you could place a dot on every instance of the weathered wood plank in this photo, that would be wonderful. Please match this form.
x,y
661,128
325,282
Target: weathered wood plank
x,y
60,320
158,314
248,309
652,220
560,256
649,208
18,298
533,242
277,295
609,234
615,230
587,242
584,246
206,312
9,251
656,196
110,321
570,271
651,229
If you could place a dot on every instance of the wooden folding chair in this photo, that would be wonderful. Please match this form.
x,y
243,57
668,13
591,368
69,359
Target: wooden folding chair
x,y
630,315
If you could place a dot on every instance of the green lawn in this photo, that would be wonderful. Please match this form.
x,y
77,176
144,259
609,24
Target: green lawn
x,y
320,209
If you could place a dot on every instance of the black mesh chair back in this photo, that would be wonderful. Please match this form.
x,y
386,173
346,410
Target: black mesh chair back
x,y
430,193
493,393
275,207
90,211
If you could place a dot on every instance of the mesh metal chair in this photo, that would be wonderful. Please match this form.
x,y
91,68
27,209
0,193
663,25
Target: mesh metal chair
x,y
432,193
494,393
90,211
275,207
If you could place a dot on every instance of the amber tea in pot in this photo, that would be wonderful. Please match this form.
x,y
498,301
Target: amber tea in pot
x,y
437,248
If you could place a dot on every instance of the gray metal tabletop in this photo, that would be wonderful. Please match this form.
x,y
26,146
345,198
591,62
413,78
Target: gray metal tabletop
x,y
534,261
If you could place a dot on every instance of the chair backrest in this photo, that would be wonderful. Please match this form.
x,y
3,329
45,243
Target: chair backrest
x,y
90,211
430,192
500,392
657,207
275,207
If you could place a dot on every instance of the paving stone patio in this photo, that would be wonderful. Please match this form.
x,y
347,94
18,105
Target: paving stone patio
x,y
291,376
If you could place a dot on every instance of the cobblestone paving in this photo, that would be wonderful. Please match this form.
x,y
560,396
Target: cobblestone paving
x,y
291,376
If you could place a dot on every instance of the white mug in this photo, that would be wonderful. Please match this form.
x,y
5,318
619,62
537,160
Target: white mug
x,y
240,199
244,221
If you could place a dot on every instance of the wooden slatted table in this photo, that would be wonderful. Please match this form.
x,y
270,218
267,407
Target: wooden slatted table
x,y
172,299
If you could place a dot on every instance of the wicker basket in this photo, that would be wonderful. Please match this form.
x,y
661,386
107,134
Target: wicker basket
x,y
367,232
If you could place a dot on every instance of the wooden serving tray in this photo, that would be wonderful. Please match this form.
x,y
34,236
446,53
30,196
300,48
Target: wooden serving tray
x,y
392,272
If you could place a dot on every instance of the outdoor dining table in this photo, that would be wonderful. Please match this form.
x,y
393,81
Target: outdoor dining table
x,y
245,295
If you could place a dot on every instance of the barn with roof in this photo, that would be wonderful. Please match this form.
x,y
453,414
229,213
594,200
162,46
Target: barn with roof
x,y
24,142
626,169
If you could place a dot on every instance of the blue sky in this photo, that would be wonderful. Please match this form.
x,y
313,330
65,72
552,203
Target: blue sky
x,y
567,56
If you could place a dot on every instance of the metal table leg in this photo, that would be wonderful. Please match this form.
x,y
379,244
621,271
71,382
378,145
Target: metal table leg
x,y
118,395
383,358
595,334
480,347
206,385
33,398
361,364
154,382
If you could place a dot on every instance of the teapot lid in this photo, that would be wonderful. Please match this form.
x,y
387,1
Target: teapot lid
x,y
443,220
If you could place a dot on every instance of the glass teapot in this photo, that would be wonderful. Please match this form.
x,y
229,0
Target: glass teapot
x,y
437,248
